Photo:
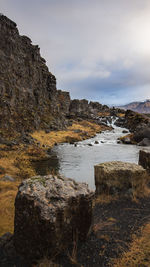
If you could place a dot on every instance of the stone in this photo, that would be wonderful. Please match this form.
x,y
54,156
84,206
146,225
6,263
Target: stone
x,y
134,120
126,140
144,142
144,159
96,142
125,131
141,134
8,178
49,212
119,176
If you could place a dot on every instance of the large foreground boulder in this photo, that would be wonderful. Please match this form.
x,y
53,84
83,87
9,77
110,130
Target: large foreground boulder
x,y
120,177
50,213
144,159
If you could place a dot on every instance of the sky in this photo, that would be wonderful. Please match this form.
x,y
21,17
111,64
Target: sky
x,y
97,49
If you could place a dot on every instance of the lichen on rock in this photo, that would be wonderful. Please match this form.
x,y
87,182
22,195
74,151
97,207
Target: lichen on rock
x,y
49,211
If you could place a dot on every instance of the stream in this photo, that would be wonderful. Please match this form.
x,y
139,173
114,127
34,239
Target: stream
x,y
78,161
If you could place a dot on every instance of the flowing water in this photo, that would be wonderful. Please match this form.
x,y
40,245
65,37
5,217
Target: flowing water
x,y
78,162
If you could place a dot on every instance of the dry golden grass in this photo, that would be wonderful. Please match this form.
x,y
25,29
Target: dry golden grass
x,y
17,162
121,115
86,130
105,198
104,113
8,192
139,252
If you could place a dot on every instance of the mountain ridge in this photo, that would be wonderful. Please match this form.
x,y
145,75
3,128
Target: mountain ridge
x,y
138,106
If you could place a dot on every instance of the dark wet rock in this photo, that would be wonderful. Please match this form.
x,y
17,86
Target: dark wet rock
x,y
126,140
139,135
8,178
49,212
77,131
96,142
117,176
144,142
144,159
134,121
125,131
90,145
120,122
47,131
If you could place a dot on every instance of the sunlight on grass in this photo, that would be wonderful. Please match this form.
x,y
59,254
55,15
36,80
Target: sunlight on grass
x,y
85,129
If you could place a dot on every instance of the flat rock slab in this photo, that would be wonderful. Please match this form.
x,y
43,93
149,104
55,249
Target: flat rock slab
x,y
50,213
119,177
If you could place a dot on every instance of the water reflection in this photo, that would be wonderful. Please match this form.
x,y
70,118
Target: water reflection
x,y
47,166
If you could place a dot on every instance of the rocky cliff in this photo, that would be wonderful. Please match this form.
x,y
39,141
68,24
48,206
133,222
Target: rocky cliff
x,y
28,95
29,99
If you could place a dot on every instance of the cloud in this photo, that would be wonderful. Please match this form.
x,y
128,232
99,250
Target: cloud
x,y
97,49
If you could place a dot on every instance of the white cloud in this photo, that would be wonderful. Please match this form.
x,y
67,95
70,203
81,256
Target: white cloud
x,y
98,39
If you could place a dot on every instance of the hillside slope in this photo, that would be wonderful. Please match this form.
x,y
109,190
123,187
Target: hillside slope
x,y
141,107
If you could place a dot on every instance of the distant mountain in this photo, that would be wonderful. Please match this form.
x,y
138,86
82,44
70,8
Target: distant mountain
x,y
141,107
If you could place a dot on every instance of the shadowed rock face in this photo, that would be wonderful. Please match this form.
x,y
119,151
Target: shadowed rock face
x,y
119,177
84,109
144,159
50,212
28,95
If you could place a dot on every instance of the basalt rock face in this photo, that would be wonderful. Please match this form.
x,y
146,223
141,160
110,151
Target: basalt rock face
x,y
28,95
50,213
84,109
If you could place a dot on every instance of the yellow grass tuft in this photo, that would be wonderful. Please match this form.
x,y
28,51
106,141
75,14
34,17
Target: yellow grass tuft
x,y
139,252
8,191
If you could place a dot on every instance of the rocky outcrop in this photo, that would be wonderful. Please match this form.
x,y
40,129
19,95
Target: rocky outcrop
x,y
139,125
29,99
135,121
84,109
28,95
144,159
118,177
50,213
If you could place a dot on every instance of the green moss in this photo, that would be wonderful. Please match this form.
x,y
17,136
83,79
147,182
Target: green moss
x,y
39,179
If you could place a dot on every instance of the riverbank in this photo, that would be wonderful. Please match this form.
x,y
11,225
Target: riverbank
x,y
17,162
